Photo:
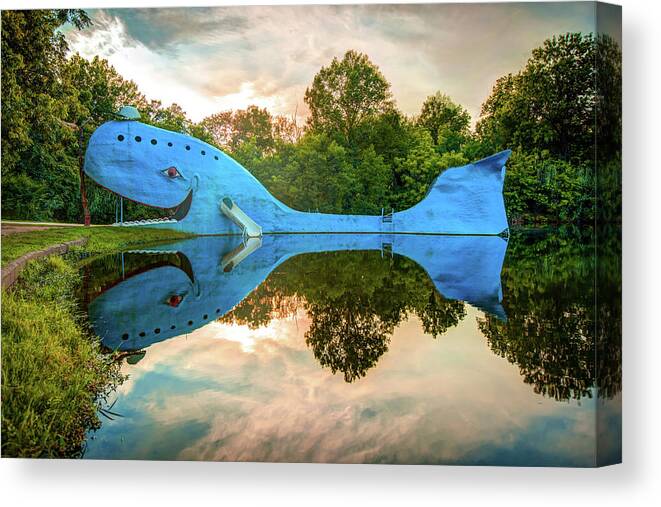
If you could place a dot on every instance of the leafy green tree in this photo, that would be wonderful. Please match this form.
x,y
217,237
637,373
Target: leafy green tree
x,y
97,91
39,167
174,118
540,189
372,179
447,122
415,172
232,129
551,103
319,175
345,94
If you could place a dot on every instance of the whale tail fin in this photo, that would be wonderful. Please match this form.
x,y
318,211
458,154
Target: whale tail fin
x,y
463,200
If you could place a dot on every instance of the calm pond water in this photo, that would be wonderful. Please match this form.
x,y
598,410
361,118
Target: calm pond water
x,y
362,349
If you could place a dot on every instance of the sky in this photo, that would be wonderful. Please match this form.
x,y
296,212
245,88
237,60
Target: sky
x,y
212,59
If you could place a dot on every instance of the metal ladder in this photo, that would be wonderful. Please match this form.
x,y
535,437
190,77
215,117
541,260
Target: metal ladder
x,y
386,220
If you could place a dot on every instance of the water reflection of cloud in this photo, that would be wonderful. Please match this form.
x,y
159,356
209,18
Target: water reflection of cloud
x,y
448,400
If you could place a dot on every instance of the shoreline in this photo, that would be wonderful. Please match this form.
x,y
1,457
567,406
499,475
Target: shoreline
x,y
54,371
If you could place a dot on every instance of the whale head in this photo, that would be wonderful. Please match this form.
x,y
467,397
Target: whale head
x,y
147,165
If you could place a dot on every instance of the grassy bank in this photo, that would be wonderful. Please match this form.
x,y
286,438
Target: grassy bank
x,y
100,239
53,372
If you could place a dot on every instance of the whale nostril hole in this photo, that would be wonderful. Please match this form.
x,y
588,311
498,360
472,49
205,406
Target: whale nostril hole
x,y
138,139
170,145
187,147
190,322
216,157
142,333
157,330
203,152
154,141
120,137
125,336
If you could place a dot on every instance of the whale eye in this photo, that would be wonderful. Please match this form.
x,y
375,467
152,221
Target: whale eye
x,y
172,172
174,300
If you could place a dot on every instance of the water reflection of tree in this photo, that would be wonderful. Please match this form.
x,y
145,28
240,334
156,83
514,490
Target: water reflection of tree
x,y
549,297
354,301
346,339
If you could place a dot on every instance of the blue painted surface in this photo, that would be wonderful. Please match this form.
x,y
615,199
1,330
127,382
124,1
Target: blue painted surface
x,y
461,267
135,161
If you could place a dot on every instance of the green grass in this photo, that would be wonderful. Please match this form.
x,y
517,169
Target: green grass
x,y
100,239
54,375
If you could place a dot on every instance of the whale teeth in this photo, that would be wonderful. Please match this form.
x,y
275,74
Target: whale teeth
x,y
145,222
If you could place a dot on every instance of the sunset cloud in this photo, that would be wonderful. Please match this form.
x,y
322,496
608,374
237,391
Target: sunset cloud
x,y
210,59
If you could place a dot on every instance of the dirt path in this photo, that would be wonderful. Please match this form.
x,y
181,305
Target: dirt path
x,y
13,229
8,228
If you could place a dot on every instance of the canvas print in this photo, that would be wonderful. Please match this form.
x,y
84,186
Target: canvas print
x,y
313,233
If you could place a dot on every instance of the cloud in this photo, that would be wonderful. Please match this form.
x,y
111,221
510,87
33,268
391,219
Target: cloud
x,y
208,59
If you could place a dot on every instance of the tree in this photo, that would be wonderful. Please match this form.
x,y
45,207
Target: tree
x,y
345,94
231,129
38,150
540,189
319,175
97,91
416,171
551,103
447,122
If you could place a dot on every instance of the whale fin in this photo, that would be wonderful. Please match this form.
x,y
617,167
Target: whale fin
x,y
462,200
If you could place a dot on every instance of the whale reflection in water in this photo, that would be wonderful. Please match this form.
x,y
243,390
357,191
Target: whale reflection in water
x,y
182,286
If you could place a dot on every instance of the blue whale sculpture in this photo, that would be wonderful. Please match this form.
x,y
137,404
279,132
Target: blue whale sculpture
x,y
210,275
210,193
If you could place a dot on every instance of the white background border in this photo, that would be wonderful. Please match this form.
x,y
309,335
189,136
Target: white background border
x,y
636,482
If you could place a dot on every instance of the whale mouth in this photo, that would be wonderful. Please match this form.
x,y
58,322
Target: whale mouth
x,y
174,214
137,262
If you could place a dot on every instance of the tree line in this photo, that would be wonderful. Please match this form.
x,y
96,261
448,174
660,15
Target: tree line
x,y
356,152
